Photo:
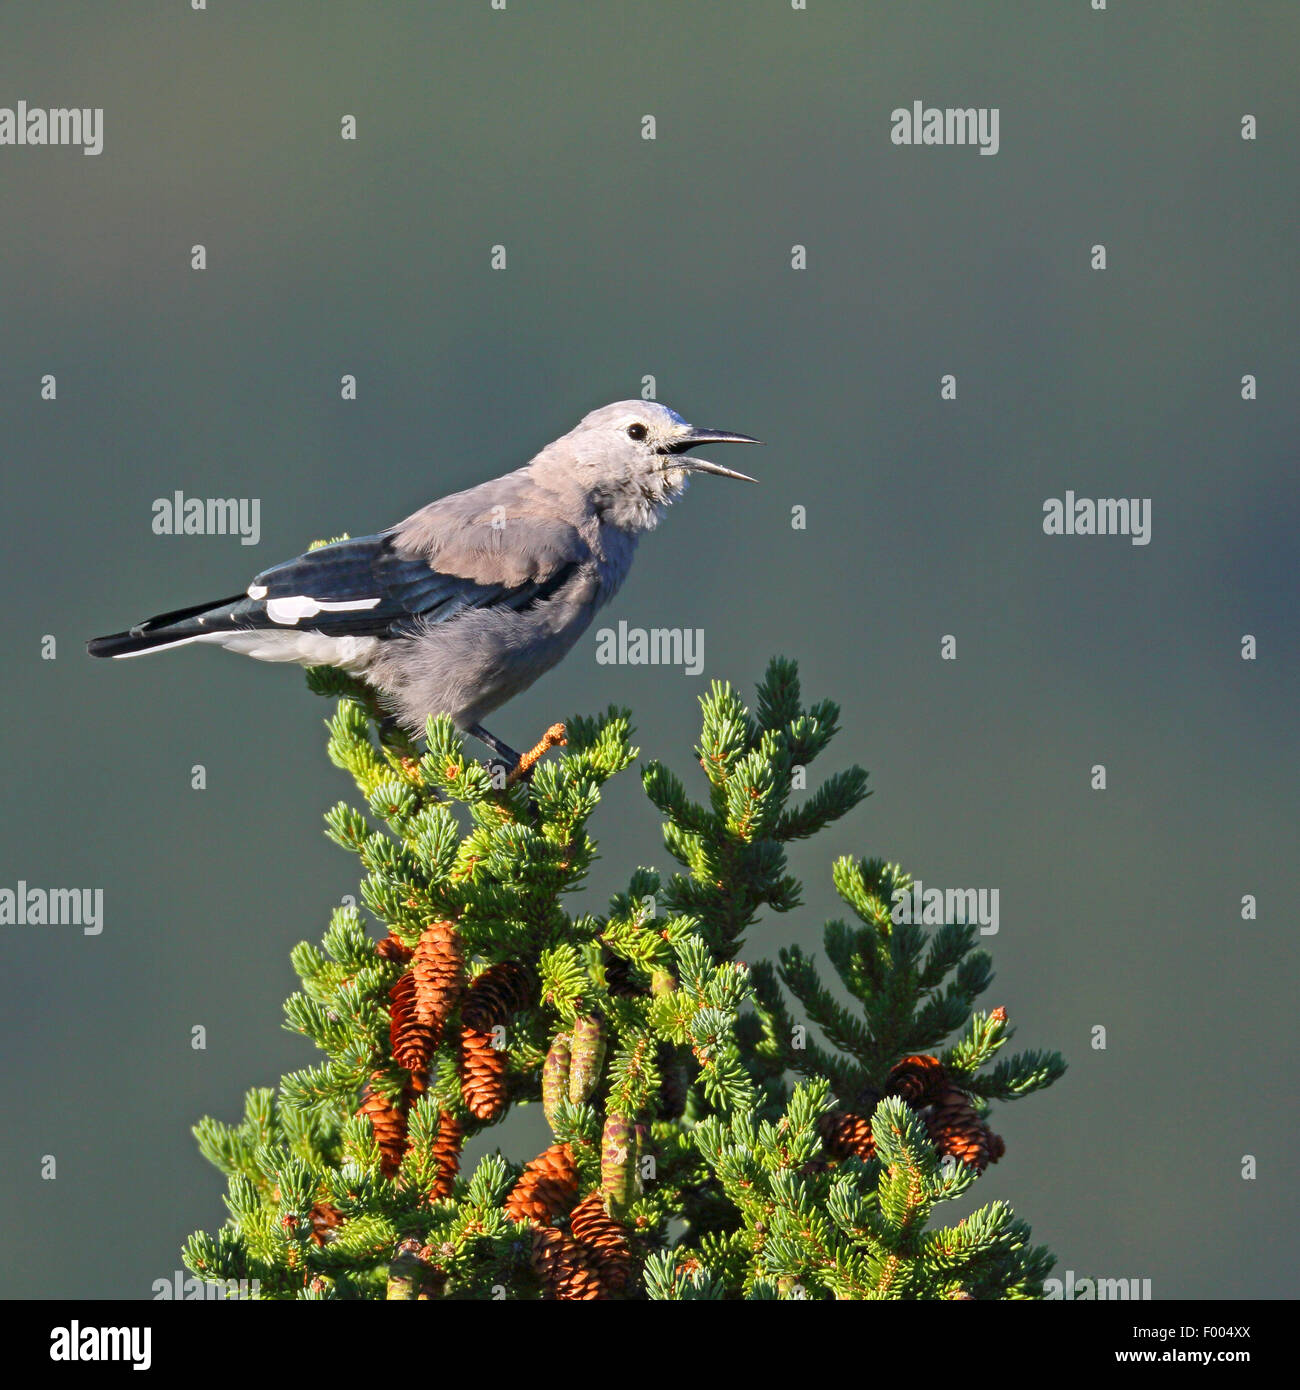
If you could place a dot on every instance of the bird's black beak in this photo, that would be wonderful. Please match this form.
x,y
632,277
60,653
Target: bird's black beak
x,y
696,437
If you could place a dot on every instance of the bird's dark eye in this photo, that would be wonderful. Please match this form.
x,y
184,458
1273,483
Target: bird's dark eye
x,y
637,431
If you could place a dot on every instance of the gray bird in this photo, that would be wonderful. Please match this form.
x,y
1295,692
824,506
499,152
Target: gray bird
x,y
470,599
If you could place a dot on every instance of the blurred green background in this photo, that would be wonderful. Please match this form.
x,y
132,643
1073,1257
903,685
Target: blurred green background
x,y
1119,909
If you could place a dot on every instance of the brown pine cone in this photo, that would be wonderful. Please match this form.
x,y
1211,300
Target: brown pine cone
x,y
594,1229
482,1074
390,948
569,1271
323,1217
917,1080
495,996
412,1041
416,1085
956,1129
844,1134
546,1189
439,973
446,1151
389,1126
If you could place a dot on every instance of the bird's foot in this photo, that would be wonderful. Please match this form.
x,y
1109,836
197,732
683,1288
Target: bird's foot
x,y
503,751
518,766
555,737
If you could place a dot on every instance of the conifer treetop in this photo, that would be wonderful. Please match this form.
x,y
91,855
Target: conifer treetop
x,y
684,1163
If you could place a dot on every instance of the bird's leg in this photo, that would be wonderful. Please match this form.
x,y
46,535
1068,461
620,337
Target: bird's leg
x,y
508,756
554,737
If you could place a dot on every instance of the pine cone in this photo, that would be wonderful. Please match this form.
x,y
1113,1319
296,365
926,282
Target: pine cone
x,y
597,1232
918,1080
546,1189
496,996
588,1045
439,973
569,1271
412,1041
844,1134
323,1216
417,1083
555,1076
482,1074
389,1126
446,1152
956,1129
390,948
619,1179
999,1014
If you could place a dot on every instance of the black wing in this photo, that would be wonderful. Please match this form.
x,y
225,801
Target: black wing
x,y
361,587
367,587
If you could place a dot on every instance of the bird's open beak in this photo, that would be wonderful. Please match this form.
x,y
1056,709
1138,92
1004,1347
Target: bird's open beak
x,y
696,437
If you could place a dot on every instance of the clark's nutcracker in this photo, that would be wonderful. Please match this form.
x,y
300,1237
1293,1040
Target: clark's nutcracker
x,y
470,599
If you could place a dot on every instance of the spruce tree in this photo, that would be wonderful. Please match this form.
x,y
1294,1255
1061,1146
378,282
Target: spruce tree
x,y
686,1163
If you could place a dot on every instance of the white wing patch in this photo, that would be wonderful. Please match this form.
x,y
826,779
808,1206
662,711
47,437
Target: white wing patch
x,y
288,611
